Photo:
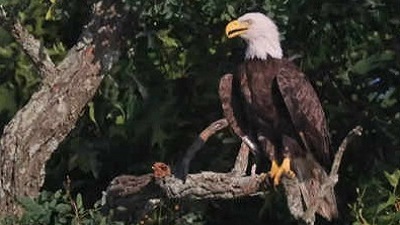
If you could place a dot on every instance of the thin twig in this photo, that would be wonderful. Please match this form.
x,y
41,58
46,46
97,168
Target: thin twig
x,y
357,131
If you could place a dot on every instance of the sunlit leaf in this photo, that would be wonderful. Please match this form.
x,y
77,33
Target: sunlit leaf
x,y
372,62
393,178
79,201
92,113
119,120
167,41
50,13
390,202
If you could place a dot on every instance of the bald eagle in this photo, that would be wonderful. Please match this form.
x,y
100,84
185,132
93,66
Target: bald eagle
x,y
272,106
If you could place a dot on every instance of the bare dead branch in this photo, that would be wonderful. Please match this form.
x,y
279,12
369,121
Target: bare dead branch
x,y
137,195
213,128
182,168
293,196
357,131
242,160
30,45
309,214
211,185
140,199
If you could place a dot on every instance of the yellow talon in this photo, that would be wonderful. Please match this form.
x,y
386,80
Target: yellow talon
x,y
276,171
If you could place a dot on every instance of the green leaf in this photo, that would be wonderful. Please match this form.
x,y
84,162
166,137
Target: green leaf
x,y
52,203
231,11
79,201
34,211
30,205
390,202
375,61
58,194
119,120
92,114
50,13
63,208
167,40
63,220
393,178
7,100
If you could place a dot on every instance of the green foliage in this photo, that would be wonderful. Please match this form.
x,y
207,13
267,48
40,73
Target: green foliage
x,y
58,208
19,78
378,203
163,91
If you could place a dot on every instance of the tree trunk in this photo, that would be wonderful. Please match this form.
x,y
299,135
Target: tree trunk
x,y
41,125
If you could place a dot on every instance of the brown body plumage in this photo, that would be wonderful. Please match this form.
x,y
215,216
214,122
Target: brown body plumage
x,y
279,103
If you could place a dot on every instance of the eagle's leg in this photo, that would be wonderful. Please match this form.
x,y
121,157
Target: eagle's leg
x,y
270,150
276,171
283,169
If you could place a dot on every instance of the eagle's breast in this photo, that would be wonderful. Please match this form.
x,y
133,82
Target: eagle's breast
x,y
260,75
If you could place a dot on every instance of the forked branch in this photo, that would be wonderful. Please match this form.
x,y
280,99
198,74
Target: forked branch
x,y
309,215
137,198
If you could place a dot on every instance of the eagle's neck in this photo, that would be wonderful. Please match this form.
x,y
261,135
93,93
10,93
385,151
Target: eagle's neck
x,y
262,47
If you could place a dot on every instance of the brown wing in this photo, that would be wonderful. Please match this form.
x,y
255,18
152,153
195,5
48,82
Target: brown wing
x,y
305,109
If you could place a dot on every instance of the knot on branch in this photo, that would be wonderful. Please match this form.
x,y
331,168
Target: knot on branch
x,y
161,170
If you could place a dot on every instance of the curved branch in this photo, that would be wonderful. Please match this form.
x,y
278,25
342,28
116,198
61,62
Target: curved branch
x,y
182,168
357,131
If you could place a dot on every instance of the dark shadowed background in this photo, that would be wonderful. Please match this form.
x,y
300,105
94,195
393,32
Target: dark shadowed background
x,y
163,92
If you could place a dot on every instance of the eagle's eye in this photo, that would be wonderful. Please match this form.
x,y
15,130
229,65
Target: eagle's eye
x,y
248,22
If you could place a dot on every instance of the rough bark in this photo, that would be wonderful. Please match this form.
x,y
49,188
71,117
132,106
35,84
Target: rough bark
x,y
51,113
132,197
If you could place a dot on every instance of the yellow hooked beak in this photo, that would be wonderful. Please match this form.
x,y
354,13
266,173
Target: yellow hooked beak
x,y
235,28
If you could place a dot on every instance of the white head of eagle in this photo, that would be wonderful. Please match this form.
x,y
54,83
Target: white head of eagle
x,y
260,33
